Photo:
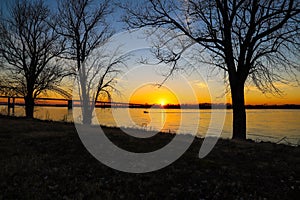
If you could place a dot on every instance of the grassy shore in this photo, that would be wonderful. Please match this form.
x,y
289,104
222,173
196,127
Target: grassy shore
x,y
46,160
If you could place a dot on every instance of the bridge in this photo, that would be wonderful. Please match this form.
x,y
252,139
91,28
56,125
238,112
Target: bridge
x,y
11,94
9,97
11,91
61,92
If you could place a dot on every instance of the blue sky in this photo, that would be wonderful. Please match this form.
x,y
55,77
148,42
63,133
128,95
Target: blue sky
x,y
114,19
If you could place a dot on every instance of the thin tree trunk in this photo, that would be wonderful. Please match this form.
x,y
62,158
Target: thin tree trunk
x,y
239,112
86,111
87,117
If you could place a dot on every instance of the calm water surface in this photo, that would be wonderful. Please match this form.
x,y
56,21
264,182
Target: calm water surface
x,y
262,124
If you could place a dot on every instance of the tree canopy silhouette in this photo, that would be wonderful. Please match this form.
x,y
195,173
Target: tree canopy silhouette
x,y
84,26
250,40
28,48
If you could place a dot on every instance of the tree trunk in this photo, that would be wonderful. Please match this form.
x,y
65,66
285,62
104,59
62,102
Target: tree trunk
x,y
87,116
29,105
85,97
239,112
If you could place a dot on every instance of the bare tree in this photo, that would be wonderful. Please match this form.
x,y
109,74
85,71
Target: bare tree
x,y
83,23
101,74
250,40
28,48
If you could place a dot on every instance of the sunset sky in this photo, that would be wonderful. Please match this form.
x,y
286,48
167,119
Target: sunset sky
x,y
152,94
138,82
195,84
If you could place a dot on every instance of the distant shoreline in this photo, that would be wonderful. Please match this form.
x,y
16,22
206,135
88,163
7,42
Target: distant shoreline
x,y
55,102
171,106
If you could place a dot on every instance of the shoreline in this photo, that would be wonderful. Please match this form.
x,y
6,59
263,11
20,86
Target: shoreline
x,y
259,139
201,106
46,159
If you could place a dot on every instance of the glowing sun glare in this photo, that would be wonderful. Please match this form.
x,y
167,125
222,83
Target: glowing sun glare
x,y
162,102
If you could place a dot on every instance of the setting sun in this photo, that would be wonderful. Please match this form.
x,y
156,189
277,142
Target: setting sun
x,y
162,102
152,94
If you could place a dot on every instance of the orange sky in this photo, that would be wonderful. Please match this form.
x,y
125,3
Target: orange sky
x,y
175,92
291,95
139,85
152,94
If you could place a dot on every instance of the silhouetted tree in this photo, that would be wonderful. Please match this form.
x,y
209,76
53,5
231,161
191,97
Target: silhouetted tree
x,y
83,23
28,48
254,40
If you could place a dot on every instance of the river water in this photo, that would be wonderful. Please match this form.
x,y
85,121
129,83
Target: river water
x,y
262,124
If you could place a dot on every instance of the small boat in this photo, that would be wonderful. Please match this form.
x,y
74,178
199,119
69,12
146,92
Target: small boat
x,y
145,111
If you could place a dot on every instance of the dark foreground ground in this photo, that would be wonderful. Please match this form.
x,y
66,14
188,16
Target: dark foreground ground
x,y
46,160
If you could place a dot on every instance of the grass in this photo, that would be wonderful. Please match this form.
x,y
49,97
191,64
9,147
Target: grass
x,y
46,160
